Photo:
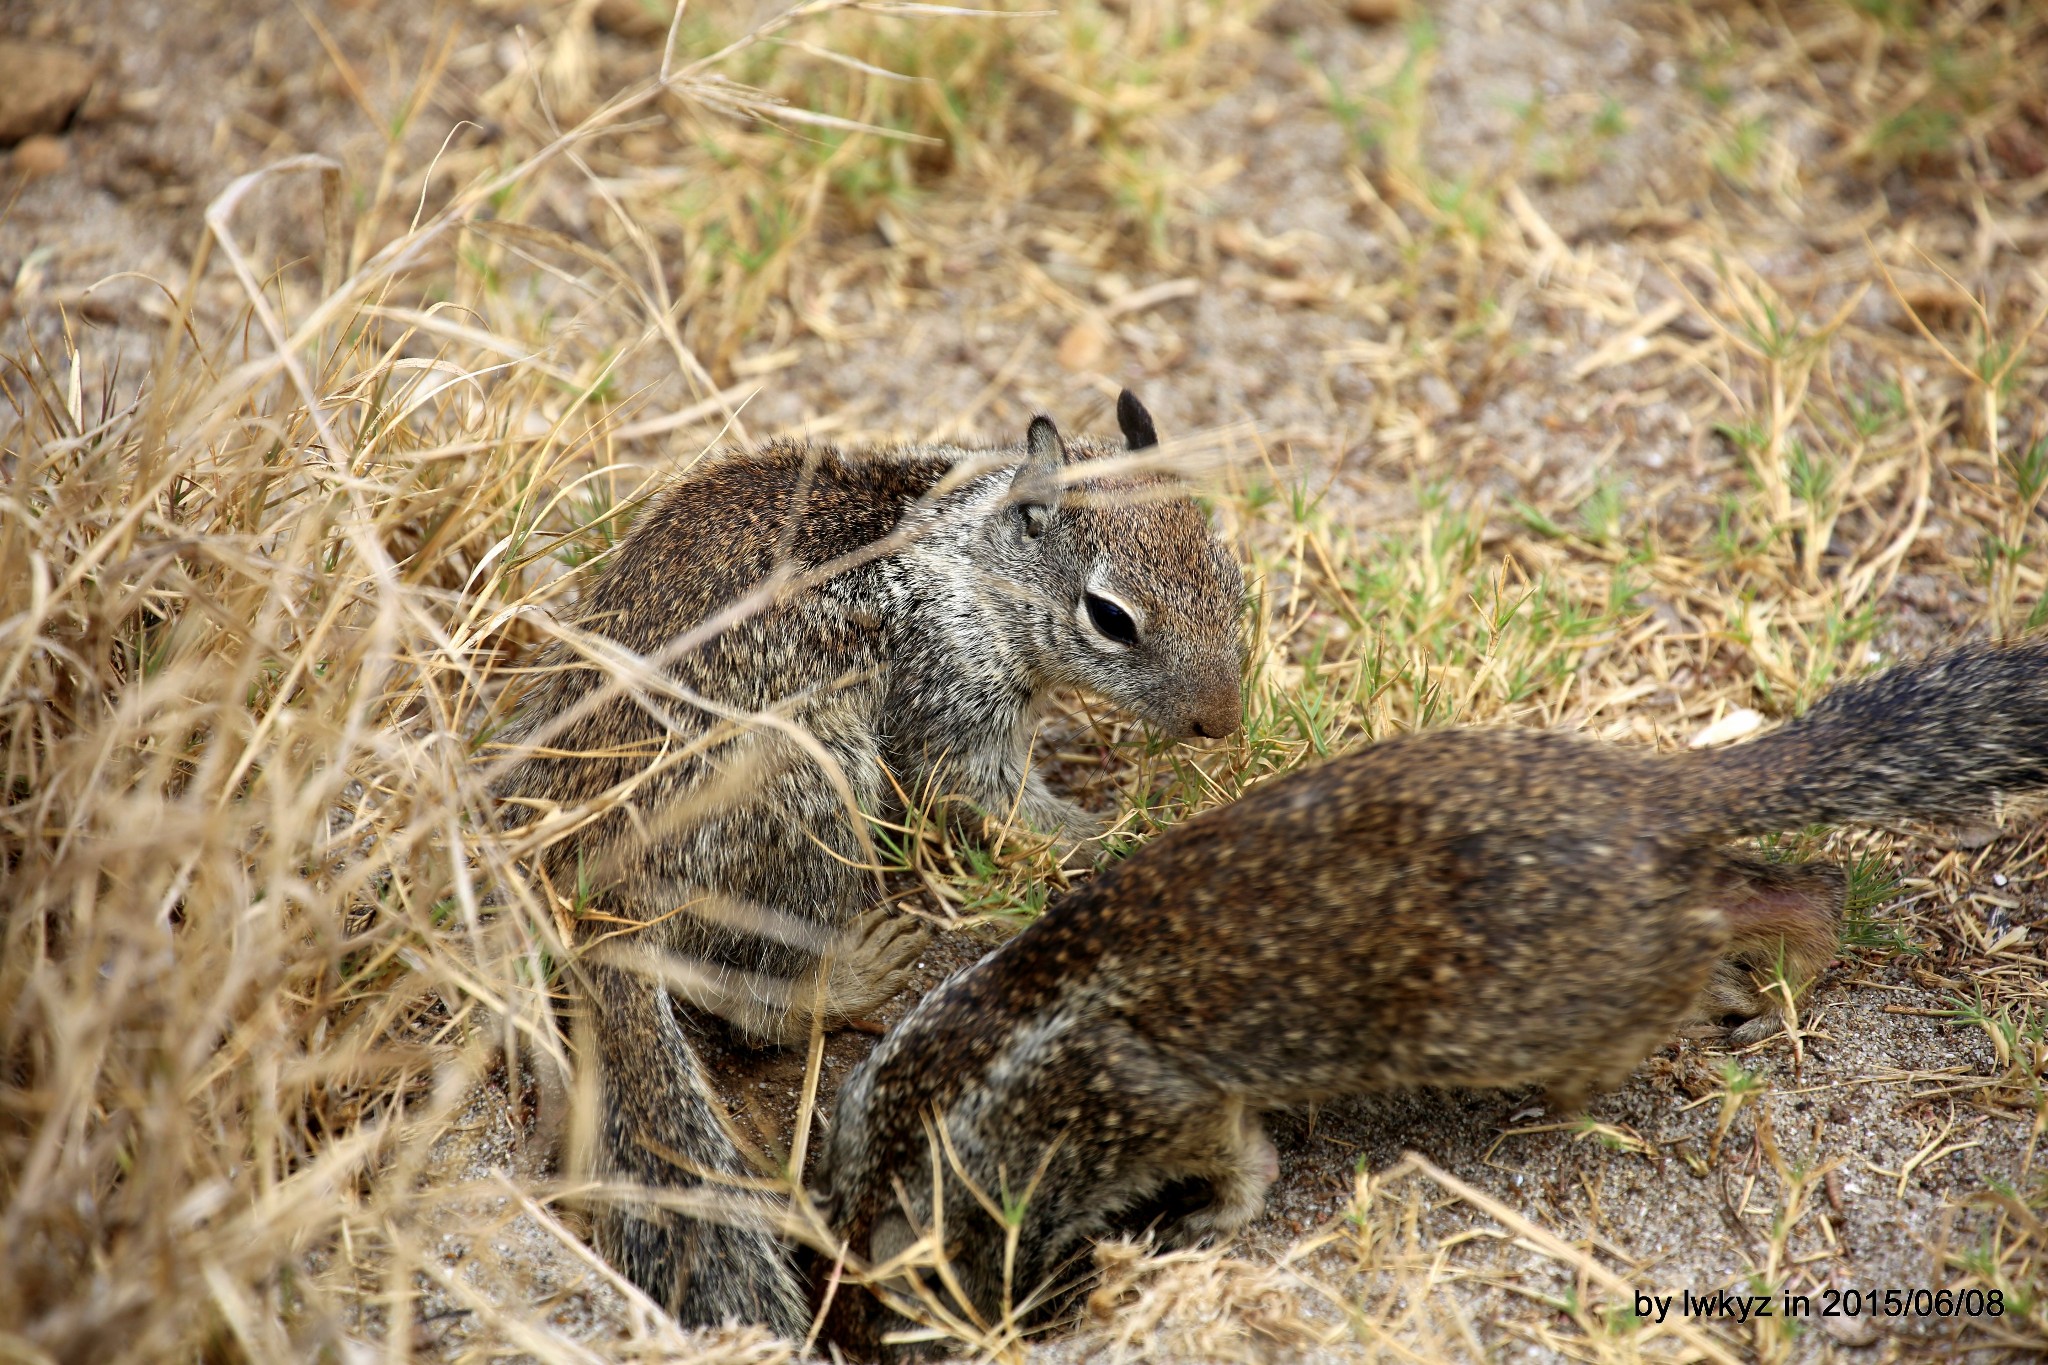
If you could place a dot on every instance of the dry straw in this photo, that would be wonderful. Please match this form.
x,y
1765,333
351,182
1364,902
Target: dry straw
x,y
260,943
262,935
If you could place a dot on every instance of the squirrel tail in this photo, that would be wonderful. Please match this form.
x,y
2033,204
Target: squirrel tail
x,y
663,1128
1940,737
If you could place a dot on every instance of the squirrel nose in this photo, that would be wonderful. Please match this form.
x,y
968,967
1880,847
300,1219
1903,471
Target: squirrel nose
x,y
1218,702
1216,721
1213,701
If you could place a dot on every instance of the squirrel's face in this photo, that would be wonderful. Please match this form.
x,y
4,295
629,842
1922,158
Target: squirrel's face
x,y
1132,596
1153,624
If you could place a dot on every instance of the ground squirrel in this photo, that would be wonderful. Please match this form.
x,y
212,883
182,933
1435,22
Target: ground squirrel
x,y
1462,908
832,628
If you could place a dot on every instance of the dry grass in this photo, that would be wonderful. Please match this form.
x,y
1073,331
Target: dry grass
x,y
261,940
258,613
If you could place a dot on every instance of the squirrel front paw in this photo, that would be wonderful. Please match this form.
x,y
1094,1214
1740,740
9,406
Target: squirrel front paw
x,y
1038,813
1237,1186
1068,824
1733,1006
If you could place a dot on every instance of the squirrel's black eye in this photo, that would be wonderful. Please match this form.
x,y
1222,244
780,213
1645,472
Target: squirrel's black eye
x,y
1112,620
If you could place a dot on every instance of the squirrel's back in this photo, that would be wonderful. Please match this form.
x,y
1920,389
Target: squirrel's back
x,y
737,516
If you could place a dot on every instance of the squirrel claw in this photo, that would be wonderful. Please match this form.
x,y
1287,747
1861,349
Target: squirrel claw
x,y
1765,1025
872,963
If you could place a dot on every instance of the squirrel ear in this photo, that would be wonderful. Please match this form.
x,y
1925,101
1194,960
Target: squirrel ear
x,y
1043,443
1036,487
1136,423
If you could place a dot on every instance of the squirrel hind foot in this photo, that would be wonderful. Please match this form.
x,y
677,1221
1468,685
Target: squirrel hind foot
x,y
873,962
869,965
705,1272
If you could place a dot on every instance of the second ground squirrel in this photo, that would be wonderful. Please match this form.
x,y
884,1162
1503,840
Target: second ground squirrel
x,y
1481,908
814,632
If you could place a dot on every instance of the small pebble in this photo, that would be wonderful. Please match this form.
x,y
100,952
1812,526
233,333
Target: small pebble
x,y
1376,11
41,86
1083,346
1737,724
41,155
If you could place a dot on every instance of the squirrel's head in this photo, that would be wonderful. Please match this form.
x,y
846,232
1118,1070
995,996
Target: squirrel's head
x,y
1129,594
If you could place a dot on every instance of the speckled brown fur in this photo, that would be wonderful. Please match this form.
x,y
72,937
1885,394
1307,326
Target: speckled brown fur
x,y
832,627
1461,908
